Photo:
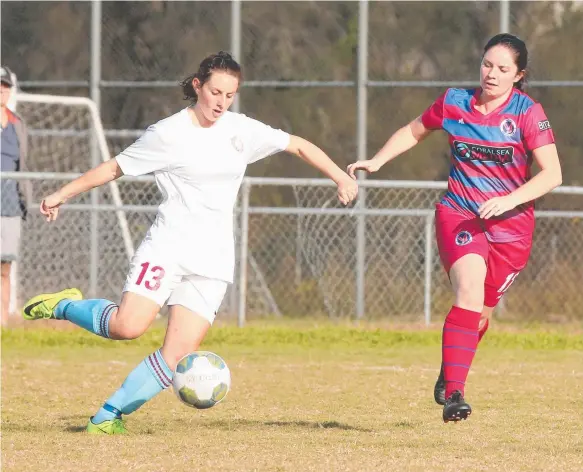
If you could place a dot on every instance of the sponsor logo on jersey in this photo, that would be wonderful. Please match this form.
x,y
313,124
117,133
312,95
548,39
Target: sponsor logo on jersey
x,y
463,238
508,127
544,125
478,152
237,143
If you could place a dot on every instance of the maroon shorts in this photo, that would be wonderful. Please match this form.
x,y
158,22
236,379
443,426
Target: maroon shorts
x,y
458,235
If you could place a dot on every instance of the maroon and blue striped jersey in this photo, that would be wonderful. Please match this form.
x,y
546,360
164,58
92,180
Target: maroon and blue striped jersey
x,y
491,155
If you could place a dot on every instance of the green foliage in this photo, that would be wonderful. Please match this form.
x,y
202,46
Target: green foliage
x,y
304,41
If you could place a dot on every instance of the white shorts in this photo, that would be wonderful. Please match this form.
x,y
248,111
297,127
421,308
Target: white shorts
x,y
154,277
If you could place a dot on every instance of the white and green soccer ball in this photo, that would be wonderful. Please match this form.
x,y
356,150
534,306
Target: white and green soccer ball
x,y
201,380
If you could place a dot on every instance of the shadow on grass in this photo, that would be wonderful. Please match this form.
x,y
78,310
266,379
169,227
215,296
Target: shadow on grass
x,y
75,429
43,427
219,424
79,427
286,424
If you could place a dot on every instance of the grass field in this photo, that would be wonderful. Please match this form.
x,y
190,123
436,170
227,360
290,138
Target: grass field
x,y
304,398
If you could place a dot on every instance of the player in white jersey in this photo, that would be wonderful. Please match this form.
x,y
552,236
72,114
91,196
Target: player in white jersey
x,y
198,157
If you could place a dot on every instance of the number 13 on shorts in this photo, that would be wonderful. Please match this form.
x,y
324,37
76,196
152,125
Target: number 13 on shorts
x,y
151,278
156,274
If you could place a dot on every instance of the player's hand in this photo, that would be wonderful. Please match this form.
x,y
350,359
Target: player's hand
x,y
369,166
49,207
497,206
347,190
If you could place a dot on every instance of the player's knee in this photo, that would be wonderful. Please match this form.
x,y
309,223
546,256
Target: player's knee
x,y
125,328
470,296
126,332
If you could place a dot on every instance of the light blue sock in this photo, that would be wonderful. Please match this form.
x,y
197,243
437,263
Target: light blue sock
x,y
93,315
147,380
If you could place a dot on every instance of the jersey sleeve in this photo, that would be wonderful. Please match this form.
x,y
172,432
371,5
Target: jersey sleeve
x,y
148,154
432,118
265,140
537,130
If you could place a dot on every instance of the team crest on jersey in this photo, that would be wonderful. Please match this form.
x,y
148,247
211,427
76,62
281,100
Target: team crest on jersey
x,y
462,150
508,127
237,143
463,238
477,152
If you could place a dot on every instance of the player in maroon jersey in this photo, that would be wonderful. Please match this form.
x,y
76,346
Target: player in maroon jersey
x,y
485,221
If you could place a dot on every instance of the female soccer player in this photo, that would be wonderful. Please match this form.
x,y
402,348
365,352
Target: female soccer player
x,y
485,221
199,157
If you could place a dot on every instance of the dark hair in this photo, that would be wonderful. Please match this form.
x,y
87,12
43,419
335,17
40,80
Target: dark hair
x,y
220,61
517,46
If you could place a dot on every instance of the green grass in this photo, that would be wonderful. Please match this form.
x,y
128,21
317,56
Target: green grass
x,y
310,396
306,336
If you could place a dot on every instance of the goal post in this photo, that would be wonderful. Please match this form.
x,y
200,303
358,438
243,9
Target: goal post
x,y
75,124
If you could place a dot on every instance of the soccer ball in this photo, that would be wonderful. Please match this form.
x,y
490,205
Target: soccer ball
x,y
202,379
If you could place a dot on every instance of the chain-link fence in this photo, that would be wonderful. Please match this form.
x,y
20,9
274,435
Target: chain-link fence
x,y
308,253
301,260
342,74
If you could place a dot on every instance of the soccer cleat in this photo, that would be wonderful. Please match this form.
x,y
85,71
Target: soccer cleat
x,y
43,306
456,408
115,426
439,389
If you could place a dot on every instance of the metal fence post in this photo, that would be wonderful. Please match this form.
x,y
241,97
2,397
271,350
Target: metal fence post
x,y
236,43
95,156
236,106
361,132
504,16
244,250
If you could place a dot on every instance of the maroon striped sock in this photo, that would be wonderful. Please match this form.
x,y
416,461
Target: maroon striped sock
x,y
460,339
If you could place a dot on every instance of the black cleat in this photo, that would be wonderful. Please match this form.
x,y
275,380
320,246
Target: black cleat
x,y
456,408
439,389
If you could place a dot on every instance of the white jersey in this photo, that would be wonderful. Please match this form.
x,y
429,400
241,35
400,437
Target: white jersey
x,y
199,172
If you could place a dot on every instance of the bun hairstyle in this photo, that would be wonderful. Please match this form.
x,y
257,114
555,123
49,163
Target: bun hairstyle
x,y
221,61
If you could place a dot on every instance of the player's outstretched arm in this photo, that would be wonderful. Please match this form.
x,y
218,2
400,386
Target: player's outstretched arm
x,y
102,174
313,155
402,140
547,179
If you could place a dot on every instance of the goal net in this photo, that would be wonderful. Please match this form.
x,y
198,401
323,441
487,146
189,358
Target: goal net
x,y
66,137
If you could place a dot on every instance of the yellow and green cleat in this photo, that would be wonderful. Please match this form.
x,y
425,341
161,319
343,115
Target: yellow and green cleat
x,y
43,306
115,426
